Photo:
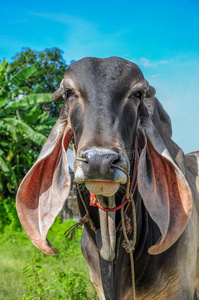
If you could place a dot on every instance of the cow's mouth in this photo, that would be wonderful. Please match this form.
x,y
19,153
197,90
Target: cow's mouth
x,y
104,188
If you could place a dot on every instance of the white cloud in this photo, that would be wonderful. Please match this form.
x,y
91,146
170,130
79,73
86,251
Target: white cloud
x,y
67,19
155,75
149,63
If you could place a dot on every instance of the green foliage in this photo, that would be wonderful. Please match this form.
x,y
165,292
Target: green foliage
x,y
8,215
24,103
26,113
35,281
50,69
24,124
27,273
23,75
71,285
9,84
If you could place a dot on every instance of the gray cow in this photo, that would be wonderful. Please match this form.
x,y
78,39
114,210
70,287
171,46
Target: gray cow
x,y
121,136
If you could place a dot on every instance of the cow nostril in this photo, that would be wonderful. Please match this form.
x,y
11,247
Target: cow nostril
x,y
85,157
116,159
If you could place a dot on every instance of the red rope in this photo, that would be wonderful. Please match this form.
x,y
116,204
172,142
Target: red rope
x,y
94,202
93,198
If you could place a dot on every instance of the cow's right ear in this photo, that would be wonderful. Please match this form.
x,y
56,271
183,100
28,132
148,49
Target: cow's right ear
x,y
44,189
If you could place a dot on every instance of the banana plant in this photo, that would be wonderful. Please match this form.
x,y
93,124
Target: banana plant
x,y
24,124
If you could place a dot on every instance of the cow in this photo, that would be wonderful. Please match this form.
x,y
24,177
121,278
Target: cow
x,y
137,191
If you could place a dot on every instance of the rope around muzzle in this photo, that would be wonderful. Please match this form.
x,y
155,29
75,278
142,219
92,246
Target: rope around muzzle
x,y
128,245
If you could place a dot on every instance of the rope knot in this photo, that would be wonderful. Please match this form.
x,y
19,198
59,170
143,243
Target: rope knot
x,y
128,246
71,231
127,222
83,220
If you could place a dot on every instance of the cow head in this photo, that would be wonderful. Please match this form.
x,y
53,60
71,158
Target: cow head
x,y
105,107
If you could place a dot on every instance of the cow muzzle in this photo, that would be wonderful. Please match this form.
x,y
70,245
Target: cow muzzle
x,y
96,169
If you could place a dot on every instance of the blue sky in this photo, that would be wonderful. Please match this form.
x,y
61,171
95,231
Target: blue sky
x,y
162,37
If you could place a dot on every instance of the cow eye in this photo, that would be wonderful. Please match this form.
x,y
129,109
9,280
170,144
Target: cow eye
x,y
138,95
69,93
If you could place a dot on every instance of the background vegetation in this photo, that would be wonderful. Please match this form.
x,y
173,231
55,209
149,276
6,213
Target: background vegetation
x,y
27,273
27,115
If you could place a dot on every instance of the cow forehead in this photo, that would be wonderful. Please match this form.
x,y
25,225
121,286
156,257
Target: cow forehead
x,y
111,72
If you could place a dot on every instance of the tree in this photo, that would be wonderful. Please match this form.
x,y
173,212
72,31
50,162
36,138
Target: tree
x,y
50,69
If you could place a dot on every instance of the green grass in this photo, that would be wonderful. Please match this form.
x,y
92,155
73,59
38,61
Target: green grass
x,y
27,273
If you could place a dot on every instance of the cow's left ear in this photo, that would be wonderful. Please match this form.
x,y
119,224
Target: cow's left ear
x,y
44,189
163,186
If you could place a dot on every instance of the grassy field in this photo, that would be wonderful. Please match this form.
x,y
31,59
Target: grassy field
x,y
27,273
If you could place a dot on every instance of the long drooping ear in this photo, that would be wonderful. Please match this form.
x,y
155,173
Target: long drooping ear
x,y
162,183
44,189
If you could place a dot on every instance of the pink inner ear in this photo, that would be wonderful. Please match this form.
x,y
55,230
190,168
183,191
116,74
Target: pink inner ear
x,y
166,196
67,139
44,190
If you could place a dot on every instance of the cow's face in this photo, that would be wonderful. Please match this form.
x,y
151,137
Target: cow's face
x,y
103,96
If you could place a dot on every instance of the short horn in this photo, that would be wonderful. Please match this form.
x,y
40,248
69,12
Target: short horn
x,y
150,91
58,95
